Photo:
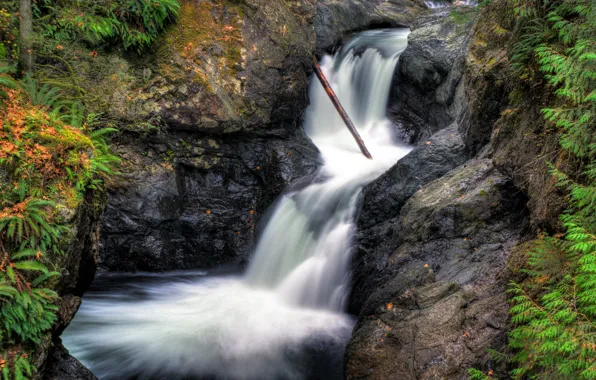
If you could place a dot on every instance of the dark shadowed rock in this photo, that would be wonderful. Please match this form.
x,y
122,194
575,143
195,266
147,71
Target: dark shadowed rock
x,y
384,197
432,298
77,265
428,93
334,19
62,366
193,202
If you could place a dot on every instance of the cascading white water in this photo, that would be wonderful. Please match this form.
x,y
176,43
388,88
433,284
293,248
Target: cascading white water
x,y
291,299
434,4
315,224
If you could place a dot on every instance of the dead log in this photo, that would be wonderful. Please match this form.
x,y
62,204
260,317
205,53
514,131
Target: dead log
x,y
340,109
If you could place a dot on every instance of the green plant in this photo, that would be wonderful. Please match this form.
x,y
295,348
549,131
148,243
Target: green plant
x,y
554,313
134,23
475,374
6,83
42,95
47,163
20,365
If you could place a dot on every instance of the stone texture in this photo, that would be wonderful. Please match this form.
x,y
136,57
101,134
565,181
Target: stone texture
x,y
432,158
336,18
427,91
225,66
505,113
193,202
432,299
78,265
62,366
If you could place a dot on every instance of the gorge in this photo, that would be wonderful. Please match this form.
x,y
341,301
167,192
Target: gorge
x,y
295,289
243,234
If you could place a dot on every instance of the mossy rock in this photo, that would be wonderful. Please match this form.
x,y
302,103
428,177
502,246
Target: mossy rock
x,y
225,66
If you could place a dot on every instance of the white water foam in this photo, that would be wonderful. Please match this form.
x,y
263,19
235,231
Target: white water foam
x,y
293,294
443,4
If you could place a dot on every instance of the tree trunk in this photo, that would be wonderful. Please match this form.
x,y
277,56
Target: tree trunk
x,y
340,109
26,31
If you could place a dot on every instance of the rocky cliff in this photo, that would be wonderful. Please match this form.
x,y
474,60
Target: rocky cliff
x,y
442,232
211,135
78,266
212,126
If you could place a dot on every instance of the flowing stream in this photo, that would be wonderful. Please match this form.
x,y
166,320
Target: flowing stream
x,y
284,318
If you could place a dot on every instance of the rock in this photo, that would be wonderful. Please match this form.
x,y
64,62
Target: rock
x,y
62,366
223,67
384,197
196,201
427,92
335,19
434,300
503,119
77,264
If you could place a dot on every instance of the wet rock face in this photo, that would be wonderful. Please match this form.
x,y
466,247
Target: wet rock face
x,y
431,159
197,207
62,366
432,299
428,90
336,18
436,230
228,87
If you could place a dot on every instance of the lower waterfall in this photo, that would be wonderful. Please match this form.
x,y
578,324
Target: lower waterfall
x,y
283,319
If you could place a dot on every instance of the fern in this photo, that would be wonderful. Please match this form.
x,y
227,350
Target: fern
x,y
47,162
136,24
44,94
6,83
554,314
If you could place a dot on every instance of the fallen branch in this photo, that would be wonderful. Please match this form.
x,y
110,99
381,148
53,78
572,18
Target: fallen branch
x,y
340,109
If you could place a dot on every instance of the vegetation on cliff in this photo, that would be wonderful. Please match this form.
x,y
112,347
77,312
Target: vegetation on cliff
x,y
46,166
53,150
553,311
554,334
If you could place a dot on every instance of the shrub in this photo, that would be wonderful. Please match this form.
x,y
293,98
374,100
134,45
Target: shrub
x,y
554,313
47,162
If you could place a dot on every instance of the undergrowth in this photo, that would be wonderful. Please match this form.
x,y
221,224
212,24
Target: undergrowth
x,y
46,164
553,312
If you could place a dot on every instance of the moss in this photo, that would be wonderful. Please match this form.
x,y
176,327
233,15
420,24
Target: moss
x,y
209,28
461,16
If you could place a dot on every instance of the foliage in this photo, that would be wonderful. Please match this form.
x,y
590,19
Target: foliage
x,y
554,313
48,162
8,34
134,23
475,374
6,83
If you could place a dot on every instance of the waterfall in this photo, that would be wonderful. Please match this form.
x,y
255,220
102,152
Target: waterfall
x,y
433,4
291,300
316,224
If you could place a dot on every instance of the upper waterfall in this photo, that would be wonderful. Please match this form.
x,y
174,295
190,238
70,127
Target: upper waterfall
x,y
304,250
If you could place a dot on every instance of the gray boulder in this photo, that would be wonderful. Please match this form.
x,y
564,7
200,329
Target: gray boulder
x,y
62,366
336,18
428,90
432,158
434,301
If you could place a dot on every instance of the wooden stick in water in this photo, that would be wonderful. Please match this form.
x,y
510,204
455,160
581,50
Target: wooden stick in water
x,y
340,109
